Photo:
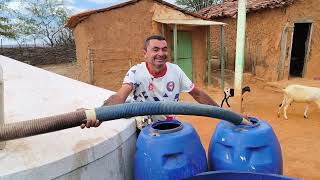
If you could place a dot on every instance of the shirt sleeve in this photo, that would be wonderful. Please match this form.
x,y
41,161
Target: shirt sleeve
x,y
130,76
186,84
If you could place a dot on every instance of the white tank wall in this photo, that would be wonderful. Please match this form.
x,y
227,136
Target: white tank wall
x,y
105,152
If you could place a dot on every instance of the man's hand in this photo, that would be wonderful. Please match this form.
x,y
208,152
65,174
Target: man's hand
x,y
89,122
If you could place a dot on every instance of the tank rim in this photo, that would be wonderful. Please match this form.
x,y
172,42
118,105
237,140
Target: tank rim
x,y
179,126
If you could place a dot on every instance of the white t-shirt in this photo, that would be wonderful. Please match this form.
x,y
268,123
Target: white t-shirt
x,y
148,87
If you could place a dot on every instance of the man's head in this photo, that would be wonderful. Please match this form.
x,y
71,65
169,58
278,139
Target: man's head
x,y
156,51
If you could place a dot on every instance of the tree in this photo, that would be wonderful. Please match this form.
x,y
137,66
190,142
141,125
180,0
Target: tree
x,y
196,5
43,20
6,29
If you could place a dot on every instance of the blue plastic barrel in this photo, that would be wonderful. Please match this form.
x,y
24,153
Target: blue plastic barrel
x,y
169,150
232,175
253,148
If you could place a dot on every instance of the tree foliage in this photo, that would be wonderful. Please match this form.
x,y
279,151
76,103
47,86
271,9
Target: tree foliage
x,y
196,5
5,27
43,20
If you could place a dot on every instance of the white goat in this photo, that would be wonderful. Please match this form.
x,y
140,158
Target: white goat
x,y
299,94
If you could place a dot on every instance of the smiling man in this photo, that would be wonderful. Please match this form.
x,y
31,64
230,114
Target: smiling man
x,y
155,79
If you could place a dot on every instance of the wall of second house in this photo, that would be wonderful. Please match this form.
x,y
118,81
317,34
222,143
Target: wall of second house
x,y
303,11
263,38
200,57
262,42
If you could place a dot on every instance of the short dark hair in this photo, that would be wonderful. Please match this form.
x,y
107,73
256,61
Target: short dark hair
x,y
157,37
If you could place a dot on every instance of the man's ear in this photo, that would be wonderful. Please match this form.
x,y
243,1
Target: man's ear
x,y
144,52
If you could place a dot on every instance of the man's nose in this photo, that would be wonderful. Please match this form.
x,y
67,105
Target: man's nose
x,y
162,53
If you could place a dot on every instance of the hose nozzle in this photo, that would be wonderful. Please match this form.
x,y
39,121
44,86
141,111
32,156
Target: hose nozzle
x,y
246,121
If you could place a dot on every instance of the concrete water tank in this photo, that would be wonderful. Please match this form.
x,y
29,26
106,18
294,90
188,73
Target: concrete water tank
x,y
106,152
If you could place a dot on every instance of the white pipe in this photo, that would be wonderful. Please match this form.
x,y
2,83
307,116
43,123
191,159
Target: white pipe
x,y
240,45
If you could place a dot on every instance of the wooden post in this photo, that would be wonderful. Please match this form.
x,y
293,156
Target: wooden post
x,y
175,44
90,67
163,30
307,52
222,56
283,51
2,144
209,54
289,53
227,57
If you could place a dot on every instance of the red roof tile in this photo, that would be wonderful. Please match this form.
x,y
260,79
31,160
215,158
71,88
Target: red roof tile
x,y
229,8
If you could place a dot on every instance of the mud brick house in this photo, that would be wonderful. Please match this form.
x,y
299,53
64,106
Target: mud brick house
x,y
282,37
110,40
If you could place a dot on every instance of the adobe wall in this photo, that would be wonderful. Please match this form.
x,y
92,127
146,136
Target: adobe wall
x,y
115,42
199,53
309,10
263,38
81,38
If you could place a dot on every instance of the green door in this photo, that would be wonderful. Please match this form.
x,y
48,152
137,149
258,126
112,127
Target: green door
x,y
184,52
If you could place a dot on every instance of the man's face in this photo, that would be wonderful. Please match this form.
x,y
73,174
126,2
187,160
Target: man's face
x,y
156,53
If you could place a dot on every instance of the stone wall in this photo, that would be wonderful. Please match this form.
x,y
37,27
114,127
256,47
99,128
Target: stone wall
x,y
41,55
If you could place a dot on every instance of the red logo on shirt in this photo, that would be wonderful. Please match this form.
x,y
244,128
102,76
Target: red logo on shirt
x,y
150,87
170,86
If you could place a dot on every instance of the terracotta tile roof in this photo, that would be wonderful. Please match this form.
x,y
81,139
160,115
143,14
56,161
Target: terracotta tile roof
x,y
229,7
74,20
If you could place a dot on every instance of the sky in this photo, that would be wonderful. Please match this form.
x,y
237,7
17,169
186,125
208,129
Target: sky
x,y
83,5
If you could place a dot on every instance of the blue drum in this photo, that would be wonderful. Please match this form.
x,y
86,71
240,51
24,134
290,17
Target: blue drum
x,y
169,150
253,148
232,175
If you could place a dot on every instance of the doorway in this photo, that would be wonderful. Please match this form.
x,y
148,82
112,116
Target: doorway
x,y
300,49
184,59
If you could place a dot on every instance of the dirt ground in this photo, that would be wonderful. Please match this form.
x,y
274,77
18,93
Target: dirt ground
x,y
299,137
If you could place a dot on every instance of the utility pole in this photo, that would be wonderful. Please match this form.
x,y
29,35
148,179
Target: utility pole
x,y
241,33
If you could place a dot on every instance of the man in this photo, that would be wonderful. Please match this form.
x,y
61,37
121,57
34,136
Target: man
x,y
155,80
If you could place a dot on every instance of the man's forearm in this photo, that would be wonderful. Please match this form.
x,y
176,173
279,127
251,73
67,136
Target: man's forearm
x,y
113,100
203,98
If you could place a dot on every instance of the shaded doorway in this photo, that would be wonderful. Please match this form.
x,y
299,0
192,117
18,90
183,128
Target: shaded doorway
x,y
300,47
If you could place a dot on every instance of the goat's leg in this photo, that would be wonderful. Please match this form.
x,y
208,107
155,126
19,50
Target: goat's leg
x,y
281,105
287,103
306,111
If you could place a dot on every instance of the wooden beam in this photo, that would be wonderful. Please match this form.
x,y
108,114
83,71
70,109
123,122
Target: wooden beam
x,y
209,55
222,56
175,44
